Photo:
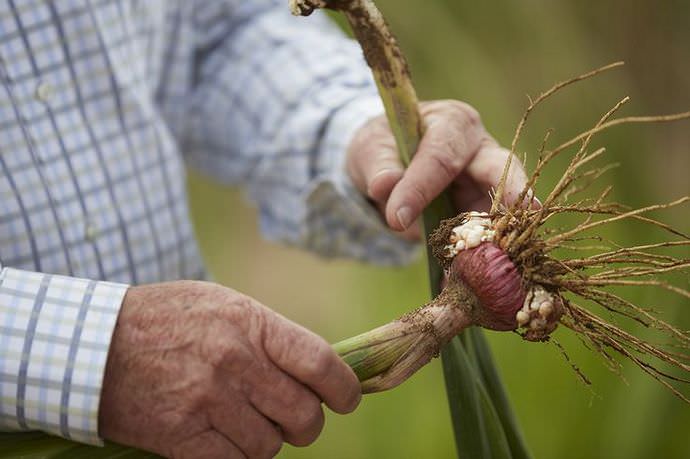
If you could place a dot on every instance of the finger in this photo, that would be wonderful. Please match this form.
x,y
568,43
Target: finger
x,y
467,195
207,445
487,168
287,402
381,178
372,161
255,435
447,148
377,172
311,360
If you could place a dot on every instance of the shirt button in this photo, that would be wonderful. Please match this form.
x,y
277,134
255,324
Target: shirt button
x,y
90,231
44,91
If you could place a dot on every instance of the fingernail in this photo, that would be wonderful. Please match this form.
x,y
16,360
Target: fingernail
x,y
404,215
532,200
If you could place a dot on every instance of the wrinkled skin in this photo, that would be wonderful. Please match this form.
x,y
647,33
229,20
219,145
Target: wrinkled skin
x,y
197,370
456,152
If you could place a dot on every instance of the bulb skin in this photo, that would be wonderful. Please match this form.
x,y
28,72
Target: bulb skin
x,y
496,282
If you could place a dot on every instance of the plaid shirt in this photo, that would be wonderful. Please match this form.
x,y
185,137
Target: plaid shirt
x,y
103,104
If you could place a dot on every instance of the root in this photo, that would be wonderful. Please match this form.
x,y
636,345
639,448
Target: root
x,y
520,232
521,125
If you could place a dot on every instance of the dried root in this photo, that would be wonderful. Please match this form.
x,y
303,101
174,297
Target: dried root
x,y
521,233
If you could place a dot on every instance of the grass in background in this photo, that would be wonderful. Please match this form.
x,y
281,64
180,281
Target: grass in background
x,y
491,54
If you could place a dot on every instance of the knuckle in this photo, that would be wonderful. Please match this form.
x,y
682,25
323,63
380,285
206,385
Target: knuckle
x,y
230,307
230,355
486,142
320,364
199,398
219,351
249,316
448,162
282,343
241,304
467,112
195,393
212,293
472,115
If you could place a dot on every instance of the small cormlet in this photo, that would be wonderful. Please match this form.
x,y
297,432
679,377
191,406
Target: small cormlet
x,y
474,231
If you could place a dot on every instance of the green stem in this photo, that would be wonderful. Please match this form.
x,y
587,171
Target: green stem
x,y
488,407
387,356
374,352
387,63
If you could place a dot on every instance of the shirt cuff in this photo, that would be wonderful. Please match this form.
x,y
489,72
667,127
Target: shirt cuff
x,y
55,332
350,225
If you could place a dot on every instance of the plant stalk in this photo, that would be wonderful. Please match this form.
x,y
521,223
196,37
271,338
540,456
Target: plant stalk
x,y
388,355
484,403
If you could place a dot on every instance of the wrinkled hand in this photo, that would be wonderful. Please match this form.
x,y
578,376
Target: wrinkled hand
x,y
196,370
456,151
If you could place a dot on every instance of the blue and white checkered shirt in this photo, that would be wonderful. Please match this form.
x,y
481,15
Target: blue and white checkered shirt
x,y
103,104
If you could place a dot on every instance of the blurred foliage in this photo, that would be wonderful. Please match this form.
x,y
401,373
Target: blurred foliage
x,y
491,54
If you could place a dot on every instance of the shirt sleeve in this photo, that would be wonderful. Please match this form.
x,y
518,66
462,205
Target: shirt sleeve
x,y
276,102
55,332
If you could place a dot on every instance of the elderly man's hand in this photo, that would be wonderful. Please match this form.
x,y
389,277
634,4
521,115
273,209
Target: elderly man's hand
x,y
197,370
456,151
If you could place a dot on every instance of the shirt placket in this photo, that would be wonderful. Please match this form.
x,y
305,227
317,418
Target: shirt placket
x,y
58,227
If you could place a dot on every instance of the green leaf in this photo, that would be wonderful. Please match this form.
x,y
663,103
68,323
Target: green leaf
x,y
494,428
478,420
471,438
497,393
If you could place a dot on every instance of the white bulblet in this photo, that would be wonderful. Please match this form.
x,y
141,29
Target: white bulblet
x,y
471,234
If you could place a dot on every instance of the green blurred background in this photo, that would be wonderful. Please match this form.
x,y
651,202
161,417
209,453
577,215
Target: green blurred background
x,y
491,54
